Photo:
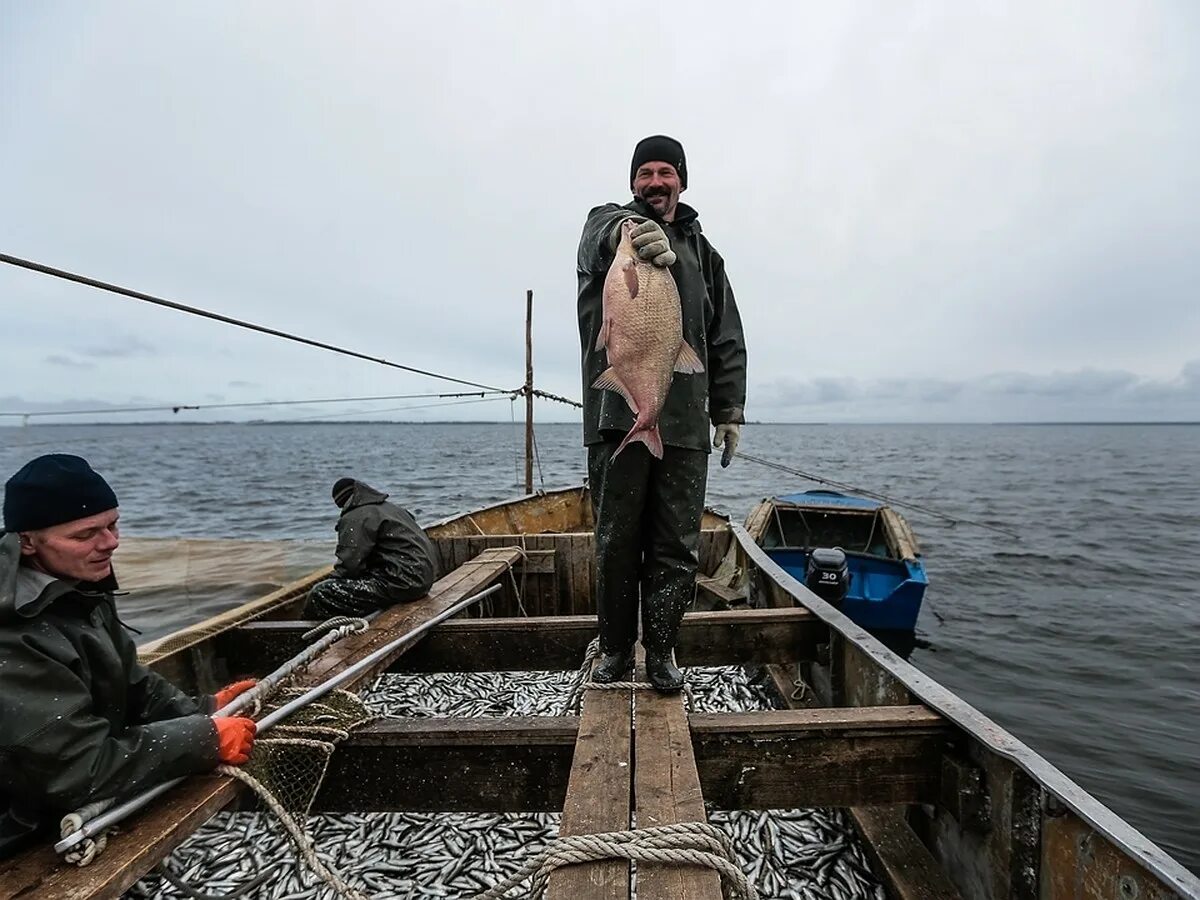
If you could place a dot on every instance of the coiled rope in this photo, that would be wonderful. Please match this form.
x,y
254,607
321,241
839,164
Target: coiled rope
x,y
686,843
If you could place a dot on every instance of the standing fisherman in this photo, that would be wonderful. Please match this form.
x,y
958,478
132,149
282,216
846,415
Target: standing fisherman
x,y
647,510
80,718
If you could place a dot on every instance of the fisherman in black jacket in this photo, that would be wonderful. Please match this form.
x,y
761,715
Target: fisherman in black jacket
x,y
647,510
383,556
80,718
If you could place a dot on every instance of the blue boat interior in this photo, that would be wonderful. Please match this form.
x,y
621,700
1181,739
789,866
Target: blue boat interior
x,y
884,592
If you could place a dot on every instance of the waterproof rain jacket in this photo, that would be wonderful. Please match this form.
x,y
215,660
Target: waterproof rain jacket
x,y
80,718
711,324
379,538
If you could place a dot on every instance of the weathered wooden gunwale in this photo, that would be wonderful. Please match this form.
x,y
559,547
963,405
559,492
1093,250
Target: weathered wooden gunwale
x,y
989,831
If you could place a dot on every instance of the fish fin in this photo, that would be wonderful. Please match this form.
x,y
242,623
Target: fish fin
x,y
688,361
602,337
629,270
609,380
651,437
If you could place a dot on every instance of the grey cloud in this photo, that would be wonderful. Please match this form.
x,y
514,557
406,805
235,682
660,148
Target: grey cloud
x,y
119,346
1084,383
67,362
1000,396
243,384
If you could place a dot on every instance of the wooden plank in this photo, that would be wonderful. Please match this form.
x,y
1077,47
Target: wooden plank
x,y
783,759
898,857
598,796
144,840
553,642
582,594
504,764
667,792
718,595
464,581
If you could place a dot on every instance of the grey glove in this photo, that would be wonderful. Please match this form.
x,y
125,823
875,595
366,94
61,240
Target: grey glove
x,y
651,244
728,434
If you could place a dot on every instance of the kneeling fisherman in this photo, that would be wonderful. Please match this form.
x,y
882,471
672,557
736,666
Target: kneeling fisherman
x,y
80,718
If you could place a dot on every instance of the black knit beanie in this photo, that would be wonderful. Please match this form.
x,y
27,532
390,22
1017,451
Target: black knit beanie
x,y
54,489
664,149
342,488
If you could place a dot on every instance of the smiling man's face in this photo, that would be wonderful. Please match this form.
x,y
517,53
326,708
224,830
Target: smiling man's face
x,y
80,550
657,183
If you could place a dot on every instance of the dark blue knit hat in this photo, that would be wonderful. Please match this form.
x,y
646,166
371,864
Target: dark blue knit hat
x,y
342,489
54,489
659,148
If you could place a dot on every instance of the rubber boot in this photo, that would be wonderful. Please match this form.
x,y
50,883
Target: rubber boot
x,y
612,667
662,672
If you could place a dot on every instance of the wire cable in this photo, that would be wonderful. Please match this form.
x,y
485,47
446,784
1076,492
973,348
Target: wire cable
x,y
875,495
228,320
176,407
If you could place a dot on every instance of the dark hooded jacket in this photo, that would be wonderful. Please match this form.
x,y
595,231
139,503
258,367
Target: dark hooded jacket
x,y
80,718
379,538
711,324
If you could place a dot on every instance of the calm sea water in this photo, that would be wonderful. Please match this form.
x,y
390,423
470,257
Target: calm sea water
x,y
1081,638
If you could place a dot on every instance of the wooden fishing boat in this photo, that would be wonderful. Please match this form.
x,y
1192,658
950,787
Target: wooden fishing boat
x,y
872,568
949,804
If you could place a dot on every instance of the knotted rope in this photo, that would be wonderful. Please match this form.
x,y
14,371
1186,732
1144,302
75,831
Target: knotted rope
x,y
686,843
579,683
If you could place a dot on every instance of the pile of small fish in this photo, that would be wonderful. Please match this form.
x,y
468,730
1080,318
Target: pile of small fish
x,y
810,854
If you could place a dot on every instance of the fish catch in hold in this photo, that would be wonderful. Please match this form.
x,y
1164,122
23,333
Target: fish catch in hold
x,y
642,334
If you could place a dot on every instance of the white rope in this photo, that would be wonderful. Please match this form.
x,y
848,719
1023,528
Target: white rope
x,y
687,843
575,693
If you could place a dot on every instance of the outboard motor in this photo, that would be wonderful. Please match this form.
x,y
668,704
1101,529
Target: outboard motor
x,y
827,574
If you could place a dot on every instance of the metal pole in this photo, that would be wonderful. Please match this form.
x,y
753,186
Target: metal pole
x,y
529,392
129,807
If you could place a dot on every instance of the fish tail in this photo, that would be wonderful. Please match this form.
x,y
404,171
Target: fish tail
x,y
651,437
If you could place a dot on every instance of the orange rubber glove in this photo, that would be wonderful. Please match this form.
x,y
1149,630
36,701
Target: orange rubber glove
x,y
230,691
235,737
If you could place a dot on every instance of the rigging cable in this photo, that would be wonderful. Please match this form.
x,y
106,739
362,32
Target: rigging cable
x,y
372,412
228,320
875,495
176,407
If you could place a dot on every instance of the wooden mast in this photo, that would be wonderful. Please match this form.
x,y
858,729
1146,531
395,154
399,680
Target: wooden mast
x,y
529,392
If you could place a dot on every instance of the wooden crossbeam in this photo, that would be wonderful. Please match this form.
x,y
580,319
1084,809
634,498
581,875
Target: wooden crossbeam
x,y
504,764
148,837
667,792
759,760
552,642
598,796
784,759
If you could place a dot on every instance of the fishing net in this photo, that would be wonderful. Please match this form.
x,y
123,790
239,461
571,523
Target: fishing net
x,y
287,766
221,583
291,759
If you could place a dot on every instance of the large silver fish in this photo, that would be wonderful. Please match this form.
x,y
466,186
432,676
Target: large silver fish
x,y
642,333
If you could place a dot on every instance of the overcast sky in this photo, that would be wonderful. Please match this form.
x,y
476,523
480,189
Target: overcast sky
x,y
952,211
